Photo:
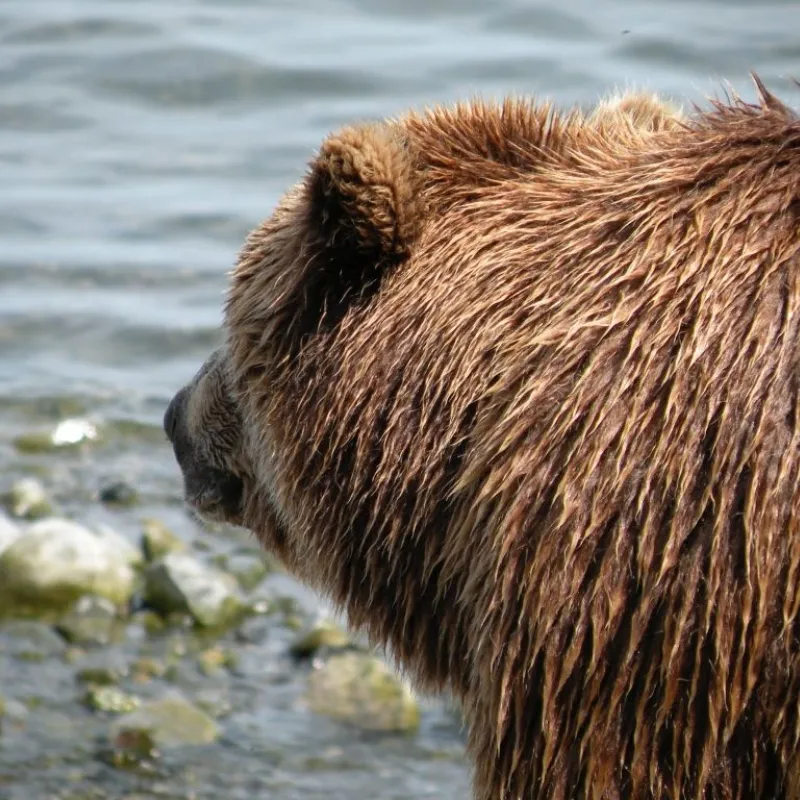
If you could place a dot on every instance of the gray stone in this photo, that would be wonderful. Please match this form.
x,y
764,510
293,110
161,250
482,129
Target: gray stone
x,y
179,583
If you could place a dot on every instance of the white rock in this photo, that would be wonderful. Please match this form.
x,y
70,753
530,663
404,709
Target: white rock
x,y
55,561
73,431
9,531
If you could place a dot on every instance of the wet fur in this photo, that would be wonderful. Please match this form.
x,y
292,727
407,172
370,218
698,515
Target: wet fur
x,y
527,409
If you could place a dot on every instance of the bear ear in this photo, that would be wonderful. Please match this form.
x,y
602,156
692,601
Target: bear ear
x,y
364,198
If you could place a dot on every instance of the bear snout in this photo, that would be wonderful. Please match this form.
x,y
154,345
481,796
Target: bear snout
x,y
172,414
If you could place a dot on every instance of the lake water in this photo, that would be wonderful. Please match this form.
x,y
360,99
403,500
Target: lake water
x,y
141,140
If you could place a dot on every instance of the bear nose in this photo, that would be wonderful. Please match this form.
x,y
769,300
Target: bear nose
x,y
171,415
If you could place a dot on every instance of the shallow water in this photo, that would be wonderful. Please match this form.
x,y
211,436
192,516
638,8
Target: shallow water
x,y
139,141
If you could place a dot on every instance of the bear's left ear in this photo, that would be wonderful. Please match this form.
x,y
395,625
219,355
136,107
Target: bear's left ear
x,y
363,213
363,193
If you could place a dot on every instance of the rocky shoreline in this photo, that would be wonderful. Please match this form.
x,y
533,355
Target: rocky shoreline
x,y
158,651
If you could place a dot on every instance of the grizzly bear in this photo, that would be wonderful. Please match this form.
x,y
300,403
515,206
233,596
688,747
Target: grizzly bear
x,y
519,390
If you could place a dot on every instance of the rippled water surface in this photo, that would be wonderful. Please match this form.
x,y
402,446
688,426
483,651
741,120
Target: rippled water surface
x,y
140,140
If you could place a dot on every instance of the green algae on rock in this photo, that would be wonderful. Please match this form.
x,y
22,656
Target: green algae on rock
x,y
158,540
55,562
169,722
27,499
178,583
68,434
111,700
361,690
322,635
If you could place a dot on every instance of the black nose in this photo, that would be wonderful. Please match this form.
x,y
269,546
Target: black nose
x,y
171,415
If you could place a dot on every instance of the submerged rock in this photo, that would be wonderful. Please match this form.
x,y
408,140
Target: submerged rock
x,y
90,621
145,669
55,562
30,640
180,584
362,690
132,750
27,499
100,675
118,493
214,659
169,722
248,568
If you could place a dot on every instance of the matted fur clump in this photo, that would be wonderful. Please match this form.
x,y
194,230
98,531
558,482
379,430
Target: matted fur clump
x,y
520,391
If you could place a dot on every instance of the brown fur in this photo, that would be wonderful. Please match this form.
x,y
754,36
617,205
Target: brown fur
x,y
520,392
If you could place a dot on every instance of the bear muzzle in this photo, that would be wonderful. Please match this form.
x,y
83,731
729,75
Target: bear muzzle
x,y
211,491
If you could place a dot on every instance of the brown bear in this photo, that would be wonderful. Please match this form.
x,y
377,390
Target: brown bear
x,y
520,391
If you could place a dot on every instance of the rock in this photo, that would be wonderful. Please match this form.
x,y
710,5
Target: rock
x,y
168,722
214,659
119,544
361,690
158,540
100,676
248,568
55,562
30,641
111,700
132,750
69,433
215,704
90,621
33,442
322,635
144,669
118,493
148,621
179,583
74,431
254,630
9,532
27,499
